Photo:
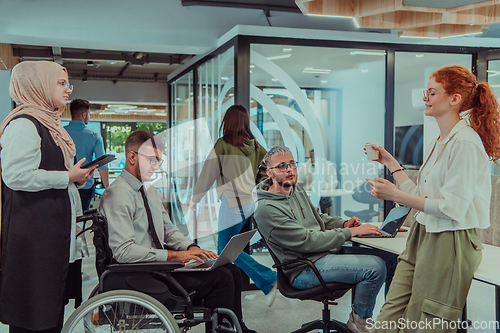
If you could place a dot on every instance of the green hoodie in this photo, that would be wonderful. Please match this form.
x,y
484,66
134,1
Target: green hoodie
x,y
235,169
293,228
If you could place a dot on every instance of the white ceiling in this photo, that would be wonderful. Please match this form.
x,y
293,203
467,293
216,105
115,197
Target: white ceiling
x,y
162,26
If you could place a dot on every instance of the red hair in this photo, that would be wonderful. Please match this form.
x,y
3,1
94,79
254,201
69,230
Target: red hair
x,y
479,100
236,126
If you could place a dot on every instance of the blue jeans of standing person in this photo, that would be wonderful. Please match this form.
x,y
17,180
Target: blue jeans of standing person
x,y
365,267
230,223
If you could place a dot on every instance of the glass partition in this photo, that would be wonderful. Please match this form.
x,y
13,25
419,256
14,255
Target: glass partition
x,y
494,81
330,100
193,133
412,130
180,150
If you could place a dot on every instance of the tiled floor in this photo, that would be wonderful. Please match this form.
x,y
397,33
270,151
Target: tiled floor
x,y
287,315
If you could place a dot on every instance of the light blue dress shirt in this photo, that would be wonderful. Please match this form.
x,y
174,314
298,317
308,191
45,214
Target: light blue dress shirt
x,y
88,143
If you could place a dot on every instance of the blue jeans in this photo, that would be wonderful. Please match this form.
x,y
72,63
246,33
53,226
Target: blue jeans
x,y
230,223
365,267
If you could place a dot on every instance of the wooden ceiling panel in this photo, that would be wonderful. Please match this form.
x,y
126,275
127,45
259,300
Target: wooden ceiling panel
x,y
414,21
400,20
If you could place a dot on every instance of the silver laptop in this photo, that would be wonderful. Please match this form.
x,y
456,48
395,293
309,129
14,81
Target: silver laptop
x,y
392,223
232,250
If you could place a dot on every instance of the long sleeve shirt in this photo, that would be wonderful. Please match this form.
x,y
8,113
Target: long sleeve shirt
x,y
21,156
129,240
88,143
455,182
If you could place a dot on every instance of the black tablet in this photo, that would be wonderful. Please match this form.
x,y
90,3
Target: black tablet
x,y
100,161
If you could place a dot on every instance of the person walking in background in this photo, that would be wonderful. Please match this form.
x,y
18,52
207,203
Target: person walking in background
x,y
452,195
88,144
235,164
40,202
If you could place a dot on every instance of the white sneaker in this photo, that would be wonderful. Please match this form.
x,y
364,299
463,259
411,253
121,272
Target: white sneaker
x,y
356,324
272,295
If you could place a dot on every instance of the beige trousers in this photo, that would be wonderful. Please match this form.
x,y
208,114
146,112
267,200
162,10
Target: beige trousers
x,y
431,282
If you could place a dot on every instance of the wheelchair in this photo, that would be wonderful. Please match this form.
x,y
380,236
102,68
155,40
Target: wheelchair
x,y
139,297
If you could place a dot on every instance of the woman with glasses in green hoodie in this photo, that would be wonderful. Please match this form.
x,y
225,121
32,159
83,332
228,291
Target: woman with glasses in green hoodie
x,y
234,164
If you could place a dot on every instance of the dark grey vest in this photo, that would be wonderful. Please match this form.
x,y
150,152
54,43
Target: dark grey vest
x,y
35,246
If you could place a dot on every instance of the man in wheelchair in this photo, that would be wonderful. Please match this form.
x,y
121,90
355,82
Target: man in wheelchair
x,y
138,226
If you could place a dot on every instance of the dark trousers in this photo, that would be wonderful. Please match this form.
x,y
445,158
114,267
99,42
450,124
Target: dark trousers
x,y
56,329
86,196
220,288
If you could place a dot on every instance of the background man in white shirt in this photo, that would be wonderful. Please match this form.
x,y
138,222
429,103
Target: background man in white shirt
x,y
306,174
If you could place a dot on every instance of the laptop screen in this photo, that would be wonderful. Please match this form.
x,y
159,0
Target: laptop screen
x,y
395,219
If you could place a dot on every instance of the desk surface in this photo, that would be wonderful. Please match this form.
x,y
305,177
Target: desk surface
x,y
488,271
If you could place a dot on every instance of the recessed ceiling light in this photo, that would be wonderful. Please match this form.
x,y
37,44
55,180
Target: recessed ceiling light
x,y
367,53
274,79
224,78
324,81
112,62
364,71
419,55
287,49
311,70
283,56
252,66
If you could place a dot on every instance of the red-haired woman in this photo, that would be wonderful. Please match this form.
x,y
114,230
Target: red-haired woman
x,y
235,164
452,196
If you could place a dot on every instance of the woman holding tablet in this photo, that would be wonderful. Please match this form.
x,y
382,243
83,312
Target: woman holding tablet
x,y
452,195
40,202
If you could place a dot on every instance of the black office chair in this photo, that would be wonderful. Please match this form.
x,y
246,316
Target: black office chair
x,y
326,293
363,194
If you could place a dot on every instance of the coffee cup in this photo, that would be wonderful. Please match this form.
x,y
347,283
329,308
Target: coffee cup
x,y
371,153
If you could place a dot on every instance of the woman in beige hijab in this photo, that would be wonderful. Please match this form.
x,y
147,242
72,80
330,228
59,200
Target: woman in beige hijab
x,y
40,201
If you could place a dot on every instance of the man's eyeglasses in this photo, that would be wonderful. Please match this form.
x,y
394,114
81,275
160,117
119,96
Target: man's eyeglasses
x,y
284,166
152,159
65,84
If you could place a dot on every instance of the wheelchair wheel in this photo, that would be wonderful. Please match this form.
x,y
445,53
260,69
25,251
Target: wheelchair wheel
x,y
121,311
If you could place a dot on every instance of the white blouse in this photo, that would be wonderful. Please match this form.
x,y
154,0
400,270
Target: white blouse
x,y
20,158
456,182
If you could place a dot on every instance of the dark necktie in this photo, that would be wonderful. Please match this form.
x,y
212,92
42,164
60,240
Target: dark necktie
x,y
151,227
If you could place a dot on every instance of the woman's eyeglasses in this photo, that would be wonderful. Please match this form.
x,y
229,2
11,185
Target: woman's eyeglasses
x,y
65,84
152,159
284,166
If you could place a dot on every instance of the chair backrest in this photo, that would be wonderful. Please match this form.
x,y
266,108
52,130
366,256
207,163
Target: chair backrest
x,y
363,194
103,254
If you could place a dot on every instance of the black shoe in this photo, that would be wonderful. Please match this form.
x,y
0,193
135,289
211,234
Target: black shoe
x,y
245,329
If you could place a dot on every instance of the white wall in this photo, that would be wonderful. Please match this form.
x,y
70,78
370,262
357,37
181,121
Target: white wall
x,y
107,91
5,101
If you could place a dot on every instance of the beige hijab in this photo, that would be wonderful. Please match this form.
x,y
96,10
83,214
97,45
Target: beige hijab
x,y
32,87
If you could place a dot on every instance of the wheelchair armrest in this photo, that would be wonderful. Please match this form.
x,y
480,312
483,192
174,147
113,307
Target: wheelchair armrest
x,y
308,263
87,215
146,266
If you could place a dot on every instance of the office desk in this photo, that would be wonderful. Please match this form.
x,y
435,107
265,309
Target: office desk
x,y
488,271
